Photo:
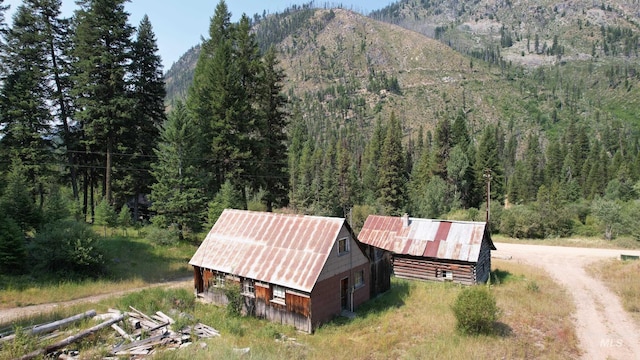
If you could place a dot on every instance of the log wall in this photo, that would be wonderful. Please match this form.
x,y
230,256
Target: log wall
x,y
409,267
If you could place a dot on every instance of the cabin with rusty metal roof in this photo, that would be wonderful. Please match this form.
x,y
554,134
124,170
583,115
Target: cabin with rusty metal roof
x,y
293,269
426,249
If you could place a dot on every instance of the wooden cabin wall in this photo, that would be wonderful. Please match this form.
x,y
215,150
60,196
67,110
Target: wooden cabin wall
x,y
483,268
381,270
429,269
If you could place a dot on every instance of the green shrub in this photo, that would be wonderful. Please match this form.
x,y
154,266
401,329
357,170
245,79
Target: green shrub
x,y
232,292
160,236
475,310
68,248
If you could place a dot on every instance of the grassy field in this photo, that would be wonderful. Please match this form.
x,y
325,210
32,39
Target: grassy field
x,y
412,320
623,278
586,242
131,262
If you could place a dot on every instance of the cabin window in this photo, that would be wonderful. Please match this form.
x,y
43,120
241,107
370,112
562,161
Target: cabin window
x,y
248,287
343,246
359,278
219,280
447,274
278,293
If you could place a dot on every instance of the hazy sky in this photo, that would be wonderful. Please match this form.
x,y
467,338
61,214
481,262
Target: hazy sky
x,y
180,24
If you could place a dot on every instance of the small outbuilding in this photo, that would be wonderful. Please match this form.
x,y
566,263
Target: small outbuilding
x,y
425,249
292,269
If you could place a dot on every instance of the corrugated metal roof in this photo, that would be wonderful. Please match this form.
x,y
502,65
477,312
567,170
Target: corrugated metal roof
x,y
452,240
287,250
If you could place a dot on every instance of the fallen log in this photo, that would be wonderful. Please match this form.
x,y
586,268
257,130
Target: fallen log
x,y
49,327
71,339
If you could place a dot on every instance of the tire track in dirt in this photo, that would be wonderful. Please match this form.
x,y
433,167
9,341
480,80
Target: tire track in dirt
x,y
604,328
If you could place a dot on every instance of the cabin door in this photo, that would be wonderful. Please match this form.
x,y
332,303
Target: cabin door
x,y
344,293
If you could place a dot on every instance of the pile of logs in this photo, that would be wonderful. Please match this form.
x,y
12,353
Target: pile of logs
x,y
150,333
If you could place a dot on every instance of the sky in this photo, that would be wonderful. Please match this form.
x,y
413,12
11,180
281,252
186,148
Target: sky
x,y
180,24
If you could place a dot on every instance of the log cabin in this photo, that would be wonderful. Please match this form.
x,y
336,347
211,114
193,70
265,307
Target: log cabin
x,y
292,269
426,249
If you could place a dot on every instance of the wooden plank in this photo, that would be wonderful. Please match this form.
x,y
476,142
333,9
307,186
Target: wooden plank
x,y
71,339
122,332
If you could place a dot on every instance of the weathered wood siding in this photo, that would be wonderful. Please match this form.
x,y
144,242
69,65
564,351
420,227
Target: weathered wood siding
x,y
325,297
483,268
421,268
339,263
381,270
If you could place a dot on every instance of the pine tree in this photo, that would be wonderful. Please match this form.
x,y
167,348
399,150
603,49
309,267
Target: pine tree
x,y
553,165
16,202
302,195
177,194
458,168
488,160
57,41
329,201
297,142
370,163
102,47
345,178
272,173
443,145
25,125
533,163
392,176
148,93
216,102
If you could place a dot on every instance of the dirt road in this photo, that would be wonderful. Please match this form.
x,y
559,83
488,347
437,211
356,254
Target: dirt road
x,y
605,329
9,315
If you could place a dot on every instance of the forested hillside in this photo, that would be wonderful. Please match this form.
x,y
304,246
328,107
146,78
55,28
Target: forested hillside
x,y
557,129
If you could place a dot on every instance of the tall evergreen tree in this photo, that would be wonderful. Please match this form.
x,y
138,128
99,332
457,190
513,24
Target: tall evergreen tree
x,y
102,47
488,162
147,84
56,31
345,178
533,162
218,103
370,163
273,120
392,176
442,147
25,125
177,194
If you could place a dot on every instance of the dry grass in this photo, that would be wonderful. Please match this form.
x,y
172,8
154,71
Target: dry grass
x,y
623,278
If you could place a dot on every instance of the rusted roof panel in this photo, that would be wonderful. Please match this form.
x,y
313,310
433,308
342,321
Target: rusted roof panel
x,y
452,240
287,250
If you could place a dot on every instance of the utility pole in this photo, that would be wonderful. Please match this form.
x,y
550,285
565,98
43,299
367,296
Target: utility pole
x,y
488,177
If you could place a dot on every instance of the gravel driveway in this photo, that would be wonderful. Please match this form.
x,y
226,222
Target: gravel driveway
x,y
605,329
